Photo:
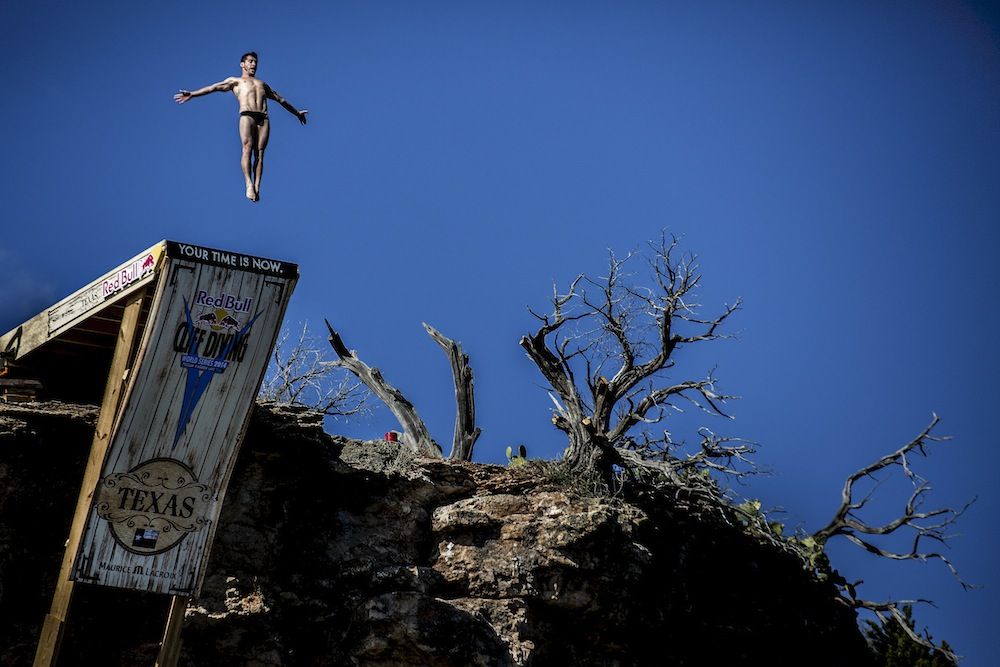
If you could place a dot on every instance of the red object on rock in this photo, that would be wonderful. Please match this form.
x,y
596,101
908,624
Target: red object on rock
x,y
390,436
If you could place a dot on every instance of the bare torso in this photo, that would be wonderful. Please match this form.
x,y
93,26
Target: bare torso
x,y
251,94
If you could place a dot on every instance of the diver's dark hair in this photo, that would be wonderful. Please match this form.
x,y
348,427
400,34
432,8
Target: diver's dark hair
x,y
247,55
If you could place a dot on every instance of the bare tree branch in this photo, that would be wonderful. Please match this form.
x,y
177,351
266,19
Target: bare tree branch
x,y
921,524
925,525
466,431
722,454
415,433
301,375
658,398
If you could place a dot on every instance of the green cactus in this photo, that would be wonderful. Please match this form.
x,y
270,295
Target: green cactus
x,y
520,459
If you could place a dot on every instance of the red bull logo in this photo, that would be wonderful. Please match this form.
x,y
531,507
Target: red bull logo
x,y
127,275
230,302
219,314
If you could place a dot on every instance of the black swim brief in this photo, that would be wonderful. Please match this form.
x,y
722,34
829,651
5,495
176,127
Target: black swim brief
x,y
258,116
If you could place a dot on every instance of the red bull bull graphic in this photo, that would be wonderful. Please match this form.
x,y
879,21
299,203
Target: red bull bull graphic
x,y
229,322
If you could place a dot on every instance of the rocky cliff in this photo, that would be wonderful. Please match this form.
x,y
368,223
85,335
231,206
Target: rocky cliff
x,y
337,552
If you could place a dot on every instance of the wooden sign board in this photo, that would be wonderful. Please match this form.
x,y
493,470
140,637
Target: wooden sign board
x,y
212,324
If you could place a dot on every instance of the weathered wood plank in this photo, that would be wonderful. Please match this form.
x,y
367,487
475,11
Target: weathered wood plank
x,y
52,628
170,645
20,384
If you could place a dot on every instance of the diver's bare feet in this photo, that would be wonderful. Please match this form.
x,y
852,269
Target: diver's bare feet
x,y
251,193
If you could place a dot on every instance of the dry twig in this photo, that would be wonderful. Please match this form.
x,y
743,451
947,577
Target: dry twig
x,y
301,375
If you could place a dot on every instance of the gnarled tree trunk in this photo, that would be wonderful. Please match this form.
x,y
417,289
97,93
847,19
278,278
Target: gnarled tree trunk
x,y
466,431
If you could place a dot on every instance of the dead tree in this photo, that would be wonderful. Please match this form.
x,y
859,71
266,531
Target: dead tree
x,y
300,374
466,431
415,433
636,330
923,525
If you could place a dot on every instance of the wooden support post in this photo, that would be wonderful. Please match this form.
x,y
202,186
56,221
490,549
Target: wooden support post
x,y
55,622
170,647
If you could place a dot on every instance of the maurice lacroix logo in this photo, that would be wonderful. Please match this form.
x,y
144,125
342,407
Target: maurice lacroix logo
x,y
153,506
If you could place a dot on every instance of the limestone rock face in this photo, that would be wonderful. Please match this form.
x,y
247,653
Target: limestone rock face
x,y
337,552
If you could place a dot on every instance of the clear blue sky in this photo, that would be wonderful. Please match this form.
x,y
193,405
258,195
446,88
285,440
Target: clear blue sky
x,y
835,164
